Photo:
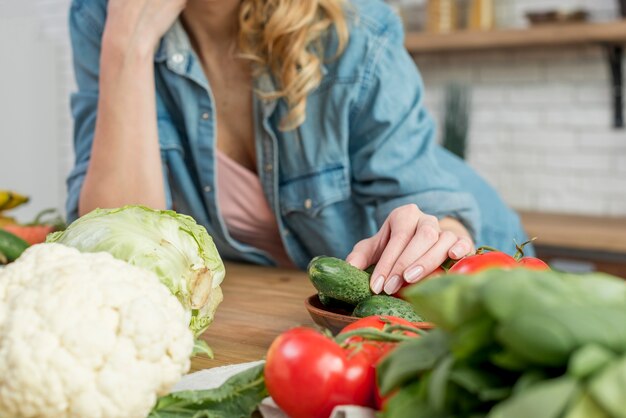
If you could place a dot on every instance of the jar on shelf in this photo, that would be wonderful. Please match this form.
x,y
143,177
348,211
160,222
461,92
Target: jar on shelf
x,y
443,16
482,15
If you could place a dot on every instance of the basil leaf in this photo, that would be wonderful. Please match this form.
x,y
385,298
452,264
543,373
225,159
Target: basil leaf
x,y
483,382
586,407
410,403
410,359
547,399
448,300
238,397
438,384
609,388
589,360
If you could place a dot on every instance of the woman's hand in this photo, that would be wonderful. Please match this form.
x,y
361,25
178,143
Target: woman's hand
x,y
140,23
409,246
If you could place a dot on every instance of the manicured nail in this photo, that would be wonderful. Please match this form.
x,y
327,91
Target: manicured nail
x,y
457,252
413,274
377,286
393,285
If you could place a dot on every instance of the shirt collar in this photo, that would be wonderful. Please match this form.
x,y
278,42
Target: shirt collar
x,y
174,48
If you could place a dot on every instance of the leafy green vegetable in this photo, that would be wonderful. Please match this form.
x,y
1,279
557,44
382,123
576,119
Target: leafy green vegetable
x,y
546,399
609,388
411,358
586,407
589,360
172,245
518,343
238,397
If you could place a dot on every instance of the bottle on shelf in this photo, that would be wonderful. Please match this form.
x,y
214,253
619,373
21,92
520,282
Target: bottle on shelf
x,y
442,15
482,15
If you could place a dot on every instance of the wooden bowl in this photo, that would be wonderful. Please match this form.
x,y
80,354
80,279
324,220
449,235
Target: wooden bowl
x,y
336,319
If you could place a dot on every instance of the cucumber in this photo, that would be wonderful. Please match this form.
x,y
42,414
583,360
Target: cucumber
x,y
386,305
334,304
336,279
11,246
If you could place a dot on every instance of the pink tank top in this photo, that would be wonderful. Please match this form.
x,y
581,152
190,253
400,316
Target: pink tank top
x,y
245,210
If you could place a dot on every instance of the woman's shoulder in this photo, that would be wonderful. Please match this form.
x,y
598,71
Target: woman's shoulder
x,y
372,19
372,26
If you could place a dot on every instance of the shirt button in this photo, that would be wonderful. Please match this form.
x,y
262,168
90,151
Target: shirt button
x,y
207,189
205,115
308,204
178,58
269,167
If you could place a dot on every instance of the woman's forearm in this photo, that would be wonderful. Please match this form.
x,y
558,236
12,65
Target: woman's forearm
x,y
125,165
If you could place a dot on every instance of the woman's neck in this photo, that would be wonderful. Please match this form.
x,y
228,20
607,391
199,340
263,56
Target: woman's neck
x,y
212,24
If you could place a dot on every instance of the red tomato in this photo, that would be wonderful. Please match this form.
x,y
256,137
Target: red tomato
x,y
32,234
480,262
376,350
533,263
308,374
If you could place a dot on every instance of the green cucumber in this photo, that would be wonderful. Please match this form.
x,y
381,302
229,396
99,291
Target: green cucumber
x,y
336,279
386,305
334,304
11,246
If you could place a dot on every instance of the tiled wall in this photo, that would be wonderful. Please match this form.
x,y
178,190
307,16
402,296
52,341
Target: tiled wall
x,y
541,120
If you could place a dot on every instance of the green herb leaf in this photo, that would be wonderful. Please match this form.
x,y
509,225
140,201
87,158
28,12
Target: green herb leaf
x,y
585,407
589,360
546,399
238,397
449,300
410,359
410,403
481,382
609,388
438,384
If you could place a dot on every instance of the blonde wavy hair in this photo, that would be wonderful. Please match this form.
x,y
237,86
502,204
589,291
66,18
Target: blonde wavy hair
x,y
285,37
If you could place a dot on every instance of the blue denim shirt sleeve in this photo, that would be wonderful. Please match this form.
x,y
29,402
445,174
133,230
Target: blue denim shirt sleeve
x,y
86,24
393,142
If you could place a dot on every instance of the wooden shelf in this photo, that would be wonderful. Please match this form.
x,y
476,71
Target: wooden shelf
x,y
602,234
548,35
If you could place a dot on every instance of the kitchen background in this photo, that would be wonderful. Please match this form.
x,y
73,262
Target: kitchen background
x,y
539,119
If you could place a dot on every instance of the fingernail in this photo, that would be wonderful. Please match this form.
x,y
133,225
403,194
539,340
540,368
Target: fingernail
x,y
393,285
457,252
413,274
377,286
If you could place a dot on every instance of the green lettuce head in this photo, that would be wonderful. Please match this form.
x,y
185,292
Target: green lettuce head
x,y
172,245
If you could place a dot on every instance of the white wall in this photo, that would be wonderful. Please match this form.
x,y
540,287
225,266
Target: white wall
x,y
35,80
541,122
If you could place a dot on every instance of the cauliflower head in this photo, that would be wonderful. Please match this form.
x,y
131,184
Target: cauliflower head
x,y
86,335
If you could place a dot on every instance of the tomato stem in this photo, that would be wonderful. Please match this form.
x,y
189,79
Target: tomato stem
x,y
484,248
373,334
398,327
520,249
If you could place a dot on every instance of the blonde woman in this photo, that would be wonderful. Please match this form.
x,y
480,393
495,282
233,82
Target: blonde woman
x,y
288,128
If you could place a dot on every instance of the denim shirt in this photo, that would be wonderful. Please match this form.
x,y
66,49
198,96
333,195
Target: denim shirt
x,y
367,145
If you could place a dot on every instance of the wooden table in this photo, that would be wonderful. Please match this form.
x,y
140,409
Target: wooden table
x,y
259,304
